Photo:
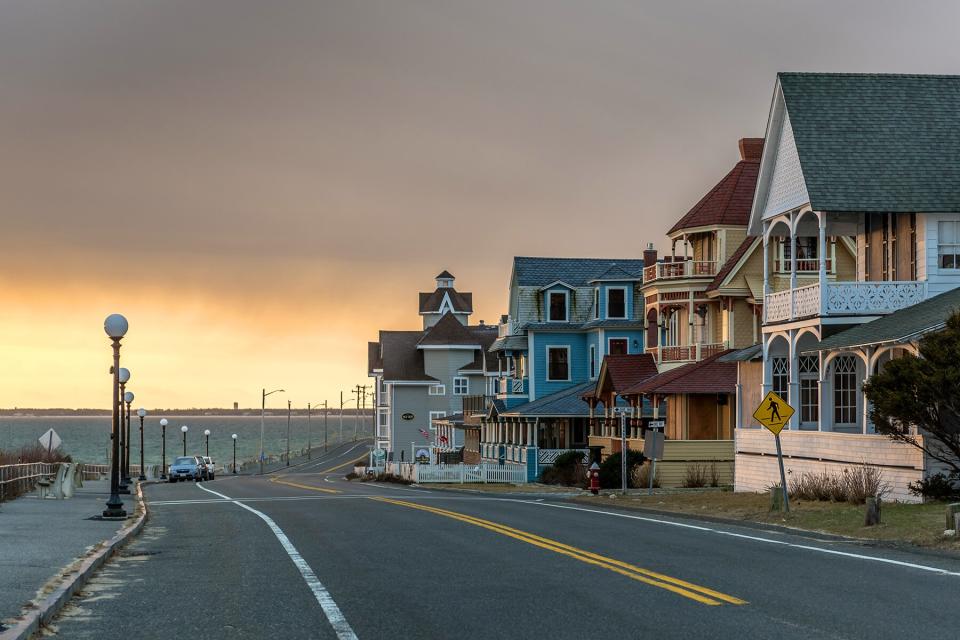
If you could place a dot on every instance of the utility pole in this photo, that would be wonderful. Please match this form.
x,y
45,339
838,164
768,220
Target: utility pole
x,y
326,431
356,418
289,403
340,441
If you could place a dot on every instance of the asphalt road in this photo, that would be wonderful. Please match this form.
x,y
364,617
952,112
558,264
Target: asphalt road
x,y
305,554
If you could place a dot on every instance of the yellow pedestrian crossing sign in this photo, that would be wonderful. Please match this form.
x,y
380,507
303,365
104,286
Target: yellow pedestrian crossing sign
x,y
773,413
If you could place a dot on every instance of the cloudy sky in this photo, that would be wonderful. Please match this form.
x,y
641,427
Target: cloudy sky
x,y
260,186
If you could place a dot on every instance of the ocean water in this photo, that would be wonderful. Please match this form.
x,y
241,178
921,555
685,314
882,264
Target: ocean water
x,y
87,438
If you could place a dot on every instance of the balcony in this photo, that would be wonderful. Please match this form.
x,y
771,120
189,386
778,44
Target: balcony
x,y
507,386
686,353
476,405
680,269
842,299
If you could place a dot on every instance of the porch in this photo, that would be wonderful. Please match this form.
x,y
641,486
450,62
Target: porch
x,y
679,456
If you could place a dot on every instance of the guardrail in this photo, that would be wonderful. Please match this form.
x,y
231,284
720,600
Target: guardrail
x,y
17,479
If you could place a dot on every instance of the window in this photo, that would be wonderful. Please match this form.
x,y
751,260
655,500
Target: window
x,y
383,387
558,363
948,244
617,346
438,390
558,306
781,377
616,302
845,390
596,303
461,386
809,387
808,258
383,423
593,362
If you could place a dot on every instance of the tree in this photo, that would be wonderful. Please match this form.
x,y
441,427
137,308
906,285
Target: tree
x,y
922,392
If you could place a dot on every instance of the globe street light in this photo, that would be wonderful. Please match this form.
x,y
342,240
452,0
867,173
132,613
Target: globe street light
x,y
128,398
115,327
163,469
234,436
206,432
184,429
123,377
263,407
142,413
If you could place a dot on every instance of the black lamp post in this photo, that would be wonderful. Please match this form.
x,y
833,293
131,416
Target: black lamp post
x,y
184,429
206,433
123,378
128,398
116,327
141,413
234,436
163,469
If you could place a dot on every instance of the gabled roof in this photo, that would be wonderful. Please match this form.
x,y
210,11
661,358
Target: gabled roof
x,y
402,360
710,375
449,331
445,275
623,371
876,142
431,302
374,361
747,354
730,200
748,244
898,327
566,403
510,343
616,273
576,272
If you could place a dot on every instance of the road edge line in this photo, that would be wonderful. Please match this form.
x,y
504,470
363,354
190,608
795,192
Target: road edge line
x,y
46,610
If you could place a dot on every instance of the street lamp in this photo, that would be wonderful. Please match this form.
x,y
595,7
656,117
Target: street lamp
x,y
163,469
234,436
289,402
184,429
263,406
115,327
128,398
141,412
206,432
310,430
123,377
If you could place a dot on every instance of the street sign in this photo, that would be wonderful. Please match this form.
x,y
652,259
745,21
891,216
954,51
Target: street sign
x,y
773,413
653,445
623,410
656,424
50,440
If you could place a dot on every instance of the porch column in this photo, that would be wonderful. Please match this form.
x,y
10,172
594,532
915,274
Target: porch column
x,y
793,259
822,249
766,383
794,387
766,268
824,418
530,441
867,427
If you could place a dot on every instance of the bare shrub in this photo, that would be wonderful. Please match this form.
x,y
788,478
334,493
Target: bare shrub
x,y
854,485
714,475
33,453
641,476
696,476
864,482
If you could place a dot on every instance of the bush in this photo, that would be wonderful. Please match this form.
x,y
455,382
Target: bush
x,y
610,470
32,453
641,476
568,470
937,487
696,476
854,485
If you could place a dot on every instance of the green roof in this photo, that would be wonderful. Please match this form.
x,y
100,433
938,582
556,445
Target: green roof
x,y
899,326
877,142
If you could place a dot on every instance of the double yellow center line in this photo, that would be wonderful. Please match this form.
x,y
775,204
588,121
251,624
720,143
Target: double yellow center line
x,y
683,588
281,480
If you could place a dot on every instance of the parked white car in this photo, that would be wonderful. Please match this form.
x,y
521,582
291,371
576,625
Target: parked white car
x,y
208,466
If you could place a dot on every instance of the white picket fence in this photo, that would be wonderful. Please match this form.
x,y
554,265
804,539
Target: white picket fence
x,y
459,473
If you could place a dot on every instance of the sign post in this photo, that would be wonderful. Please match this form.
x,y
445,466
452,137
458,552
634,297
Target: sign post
x,y
653,449
774,413
624,412
50,440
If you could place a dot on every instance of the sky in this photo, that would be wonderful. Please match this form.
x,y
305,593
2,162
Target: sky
x,y
260,186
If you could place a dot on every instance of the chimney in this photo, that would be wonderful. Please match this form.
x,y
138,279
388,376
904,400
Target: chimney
x,y
751,149
649,255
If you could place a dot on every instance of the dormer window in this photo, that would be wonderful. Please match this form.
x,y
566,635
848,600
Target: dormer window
x,y
596,303
557,306
616,302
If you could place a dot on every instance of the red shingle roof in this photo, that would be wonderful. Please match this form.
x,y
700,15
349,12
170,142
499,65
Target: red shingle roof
x,y
627,370
730,201
707,376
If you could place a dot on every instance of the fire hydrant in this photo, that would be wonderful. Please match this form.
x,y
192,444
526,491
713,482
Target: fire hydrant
x,y
594,478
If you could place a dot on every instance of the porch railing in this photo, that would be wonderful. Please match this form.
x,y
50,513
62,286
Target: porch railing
x,y
680,269
686,353
842,298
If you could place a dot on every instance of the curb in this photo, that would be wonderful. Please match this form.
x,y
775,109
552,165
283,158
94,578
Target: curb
x,y
46,609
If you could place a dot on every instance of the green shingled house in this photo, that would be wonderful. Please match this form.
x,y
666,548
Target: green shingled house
x,y
873,161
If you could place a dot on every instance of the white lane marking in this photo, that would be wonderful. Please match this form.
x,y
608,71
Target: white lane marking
x,y
326,461
846,554
336,618
353,496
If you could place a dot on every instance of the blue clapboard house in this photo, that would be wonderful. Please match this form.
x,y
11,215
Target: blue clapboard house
x,y
565,315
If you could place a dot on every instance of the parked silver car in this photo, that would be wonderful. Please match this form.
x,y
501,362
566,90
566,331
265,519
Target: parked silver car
x,y
208,467
186,468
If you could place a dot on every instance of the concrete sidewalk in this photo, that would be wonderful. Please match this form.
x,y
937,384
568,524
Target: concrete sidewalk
x,y
41,537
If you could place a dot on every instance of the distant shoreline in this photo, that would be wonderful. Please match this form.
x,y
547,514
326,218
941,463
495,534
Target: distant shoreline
x,y
193,413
